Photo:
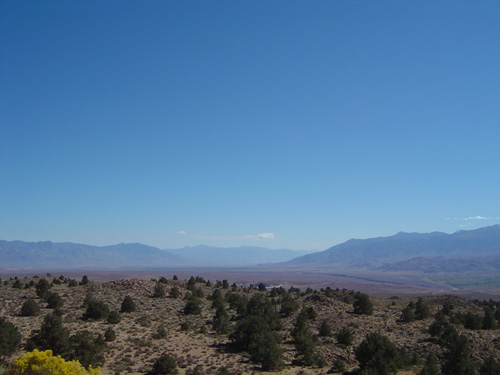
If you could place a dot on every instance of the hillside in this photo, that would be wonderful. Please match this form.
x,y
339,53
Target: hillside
x,y
378,252
201,343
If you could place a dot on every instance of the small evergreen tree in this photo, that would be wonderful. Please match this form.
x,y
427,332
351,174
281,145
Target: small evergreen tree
x,y
431,366
85,280
490,367
192,307
325,330
344,337
489,321
159,291
421,310
10,338
221,320
378,355
110,334
128,305
54,300
164,365
174,292
96,310
42,287
407,315
362,305
52,336
87,348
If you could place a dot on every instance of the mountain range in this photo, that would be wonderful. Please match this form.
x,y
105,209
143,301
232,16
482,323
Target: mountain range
x,y
47,254
411,252
474,250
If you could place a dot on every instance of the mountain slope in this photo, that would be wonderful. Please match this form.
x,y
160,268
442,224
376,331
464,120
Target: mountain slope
x,y
375,252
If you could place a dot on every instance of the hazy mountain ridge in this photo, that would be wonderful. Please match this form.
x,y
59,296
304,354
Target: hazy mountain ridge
x,y
20,254
401,247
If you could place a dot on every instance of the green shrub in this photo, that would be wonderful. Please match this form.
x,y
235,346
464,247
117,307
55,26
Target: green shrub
x,y
378,355
128,305
174,292
421,310
96,310
220,322
52,336
164,365
42,287
344,337
54,300
431,366
161,333
490,367
407,315
159,290
30,308
10,338
109,334
362,305
114,317
325,330
87,348
192,307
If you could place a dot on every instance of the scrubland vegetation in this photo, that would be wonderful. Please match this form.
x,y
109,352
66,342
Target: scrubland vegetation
x,y
196,326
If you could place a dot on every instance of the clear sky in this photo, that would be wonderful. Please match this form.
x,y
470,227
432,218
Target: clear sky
x,y
283,124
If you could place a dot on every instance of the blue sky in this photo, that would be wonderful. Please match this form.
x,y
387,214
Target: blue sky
x,y
283,124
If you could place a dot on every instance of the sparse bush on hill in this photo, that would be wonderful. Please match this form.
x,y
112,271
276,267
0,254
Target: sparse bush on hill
x,y
30,308
407,315
42,288
344,337
325,330
304,341
96,310
490,367
85,280
159,291
362,305
221,320
87,348
54,300
128,305
51,336
421,310
378,355
114,317
174,292
17,284
192,307
109,334
164,365
431,366
288,305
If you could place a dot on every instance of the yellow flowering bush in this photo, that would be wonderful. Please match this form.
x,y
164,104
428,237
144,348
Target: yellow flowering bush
x,y
44,363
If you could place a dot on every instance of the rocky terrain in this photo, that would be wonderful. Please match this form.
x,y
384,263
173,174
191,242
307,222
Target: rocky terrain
x,y
161,325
